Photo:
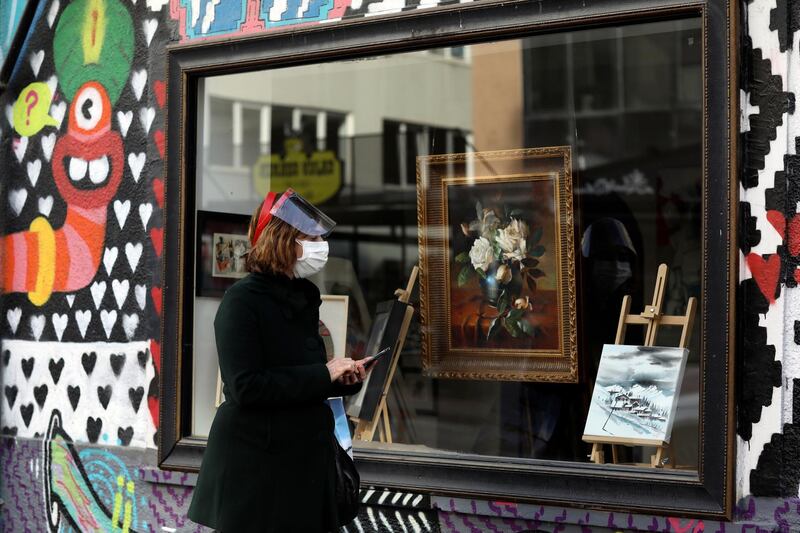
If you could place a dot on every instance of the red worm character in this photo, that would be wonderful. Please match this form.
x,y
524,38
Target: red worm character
x,y
87,167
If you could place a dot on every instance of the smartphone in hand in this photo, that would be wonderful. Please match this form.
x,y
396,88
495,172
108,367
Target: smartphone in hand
x,y
374,359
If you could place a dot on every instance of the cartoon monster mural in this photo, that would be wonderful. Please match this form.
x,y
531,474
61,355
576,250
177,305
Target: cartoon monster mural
x,y
42,261
93,40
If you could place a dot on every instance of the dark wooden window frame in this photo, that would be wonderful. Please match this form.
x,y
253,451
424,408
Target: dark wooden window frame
x,y
707,492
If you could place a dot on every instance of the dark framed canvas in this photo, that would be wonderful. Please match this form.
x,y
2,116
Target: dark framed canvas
x,y
387,326
221,243
498,273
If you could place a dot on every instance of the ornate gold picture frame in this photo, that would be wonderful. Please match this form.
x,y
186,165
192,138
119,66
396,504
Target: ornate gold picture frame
x,y
496,237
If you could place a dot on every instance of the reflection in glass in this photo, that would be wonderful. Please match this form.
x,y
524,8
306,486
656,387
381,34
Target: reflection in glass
x,y
627,100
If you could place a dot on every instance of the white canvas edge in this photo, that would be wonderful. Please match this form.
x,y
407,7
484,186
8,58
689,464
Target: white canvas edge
x,y
333,313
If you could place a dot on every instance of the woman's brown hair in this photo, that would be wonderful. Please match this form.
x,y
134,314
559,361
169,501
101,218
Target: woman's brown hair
x,y
275,251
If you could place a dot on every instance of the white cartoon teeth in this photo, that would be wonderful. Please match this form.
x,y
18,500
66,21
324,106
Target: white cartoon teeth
x,y
98,170
77,168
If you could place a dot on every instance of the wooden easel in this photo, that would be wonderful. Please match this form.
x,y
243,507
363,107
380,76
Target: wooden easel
x,y
652,319
365,429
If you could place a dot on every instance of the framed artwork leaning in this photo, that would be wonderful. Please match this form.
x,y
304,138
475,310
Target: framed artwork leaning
x,y
497,292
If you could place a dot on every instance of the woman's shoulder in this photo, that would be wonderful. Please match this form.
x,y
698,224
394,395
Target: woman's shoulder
x,y
247,292
243,288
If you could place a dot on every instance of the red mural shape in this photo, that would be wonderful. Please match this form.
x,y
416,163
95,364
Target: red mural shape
x,y
160,90
87,169
157,236
156,293
158,137
766,273
691,527
794,235
158,191
778,222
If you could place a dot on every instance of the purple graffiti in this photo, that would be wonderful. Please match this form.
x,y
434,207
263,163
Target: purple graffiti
x,y
165,508
584,523
559,520
447,522
495,508
488,521
470,525
780,521
23,510
749,513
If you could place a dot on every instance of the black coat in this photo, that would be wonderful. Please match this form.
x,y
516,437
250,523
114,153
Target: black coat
x,y
269,465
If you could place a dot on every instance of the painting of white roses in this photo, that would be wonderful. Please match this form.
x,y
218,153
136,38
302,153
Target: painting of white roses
x,y
502,271
496,247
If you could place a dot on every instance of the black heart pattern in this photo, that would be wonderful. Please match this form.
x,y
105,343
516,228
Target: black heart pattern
x,y
6,357
9,431
88,361
117,362
93,429
136,397
125,435
56,369
40,394
11,395
27,412
104,395
74,395
27,366
142,357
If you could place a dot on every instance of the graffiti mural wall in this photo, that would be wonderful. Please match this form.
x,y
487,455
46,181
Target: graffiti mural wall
x,y
82,189
769,362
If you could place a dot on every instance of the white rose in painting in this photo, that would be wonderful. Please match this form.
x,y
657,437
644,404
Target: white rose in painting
x,y
512,240
481,254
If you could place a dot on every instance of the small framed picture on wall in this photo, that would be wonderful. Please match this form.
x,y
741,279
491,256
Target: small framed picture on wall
x,y
221,249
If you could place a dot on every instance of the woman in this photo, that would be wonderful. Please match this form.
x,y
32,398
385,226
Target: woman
x,y
269,464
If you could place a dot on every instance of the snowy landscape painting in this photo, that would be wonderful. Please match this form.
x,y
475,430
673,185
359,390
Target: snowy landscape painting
x,y
635,394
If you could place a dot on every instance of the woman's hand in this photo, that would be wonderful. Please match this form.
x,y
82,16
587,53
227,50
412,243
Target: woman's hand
x,y
346,370
358,376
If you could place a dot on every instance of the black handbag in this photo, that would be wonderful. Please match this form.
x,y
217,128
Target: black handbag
x,y
348,485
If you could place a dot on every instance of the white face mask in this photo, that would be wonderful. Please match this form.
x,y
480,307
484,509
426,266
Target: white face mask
x,y
313,259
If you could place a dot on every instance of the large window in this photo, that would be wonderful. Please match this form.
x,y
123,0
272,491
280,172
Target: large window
x,y
445,157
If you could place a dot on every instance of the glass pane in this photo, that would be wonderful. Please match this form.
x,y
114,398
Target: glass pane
x,y
362,139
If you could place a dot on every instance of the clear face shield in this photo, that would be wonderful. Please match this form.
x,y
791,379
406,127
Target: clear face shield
x,y
301,215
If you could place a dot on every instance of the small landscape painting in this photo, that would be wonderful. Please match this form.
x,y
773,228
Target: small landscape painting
x,y
635,394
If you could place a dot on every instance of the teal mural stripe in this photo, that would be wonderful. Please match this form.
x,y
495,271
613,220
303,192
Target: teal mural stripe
x,y
10,15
